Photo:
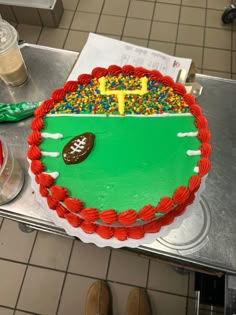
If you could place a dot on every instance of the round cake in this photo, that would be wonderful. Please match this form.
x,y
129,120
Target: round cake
x,y
119,153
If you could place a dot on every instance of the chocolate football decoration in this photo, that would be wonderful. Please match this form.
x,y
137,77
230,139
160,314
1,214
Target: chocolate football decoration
x,y
78,148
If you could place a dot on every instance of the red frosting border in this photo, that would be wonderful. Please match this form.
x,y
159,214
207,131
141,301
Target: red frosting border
x,y
71,207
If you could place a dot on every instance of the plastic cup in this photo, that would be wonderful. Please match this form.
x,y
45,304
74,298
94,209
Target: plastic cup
x,y
12,67
11,176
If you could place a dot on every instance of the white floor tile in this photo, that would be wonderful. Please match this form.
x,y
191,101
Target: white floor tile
x,y
51,251
89,260
14,244
128,268
11,275
41,291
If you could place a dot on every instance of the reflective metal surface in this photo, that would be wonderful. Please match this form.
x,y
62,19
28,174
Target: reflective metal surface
x,y
48,69
209,236
193,234
206,238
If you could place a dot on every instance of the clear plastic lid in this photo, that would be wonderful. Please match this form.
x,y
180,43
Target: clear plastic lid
x,y
8,36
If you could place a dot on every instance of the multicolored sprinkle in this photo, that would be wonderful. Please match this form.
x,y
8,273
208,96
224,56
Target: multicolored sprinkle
x,y
87,99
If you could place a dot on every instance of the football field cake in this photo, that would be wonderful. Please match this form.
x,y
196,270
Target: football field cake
x,y
120,152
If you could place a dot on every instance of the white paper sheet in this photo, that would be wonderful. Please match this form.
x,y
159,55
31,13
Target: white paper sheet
x,y
101,51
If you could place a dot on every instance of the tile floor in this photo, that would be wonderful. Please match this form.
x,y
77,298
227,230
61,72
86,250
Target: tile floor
x,y
183,28
49,275
46,274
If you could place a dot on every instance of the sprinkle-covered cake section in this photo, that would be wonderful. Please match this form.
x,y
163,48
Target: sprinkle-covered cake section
x,y
122,82
138,96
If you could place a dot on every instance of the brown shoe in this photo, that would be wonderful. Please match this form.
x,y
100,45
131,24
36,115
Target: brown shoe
x,y
98,299
138,303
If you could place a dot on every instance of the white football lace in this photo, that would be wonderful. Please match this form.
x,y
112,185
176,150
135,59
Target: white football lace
x,y
78,145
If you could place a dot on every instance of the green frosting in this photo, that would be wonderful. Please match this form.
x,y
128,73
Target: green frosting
x,y
135,160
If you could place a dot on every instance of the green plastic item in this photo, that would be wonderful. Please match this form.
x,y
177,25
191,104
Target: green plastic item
x,y
16,112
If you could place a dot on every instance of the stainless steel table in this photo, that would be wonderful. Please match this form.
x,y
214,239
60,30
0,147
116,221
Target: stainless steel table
x,y
205,239
48,69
